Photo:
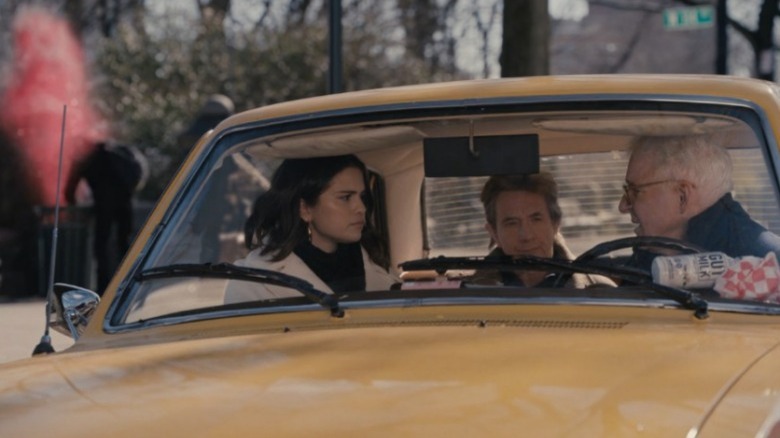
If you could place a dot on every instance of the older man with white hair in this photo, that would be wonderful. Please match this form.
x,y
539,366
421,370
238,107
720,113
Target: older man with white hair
x,y
679,187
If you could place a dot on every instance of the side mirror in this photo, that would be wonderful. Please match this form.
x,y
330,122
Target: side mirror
x,y
72,309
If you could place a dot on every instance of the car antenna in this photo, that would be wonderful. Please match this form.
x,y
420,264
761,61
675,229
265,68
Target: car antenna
x,y
45,347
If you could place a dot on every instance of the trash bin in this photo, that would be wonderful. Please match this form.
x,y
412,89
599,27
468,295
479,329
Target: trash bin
x,y
74,252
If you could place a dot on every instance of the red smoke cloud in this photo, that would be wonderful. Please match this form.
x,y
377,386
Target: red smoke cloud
x,y
48,72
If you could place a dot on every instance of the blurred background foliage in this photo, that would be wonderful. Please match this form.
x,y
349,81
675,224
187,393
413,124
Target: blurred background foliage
x,y
155,62
155,74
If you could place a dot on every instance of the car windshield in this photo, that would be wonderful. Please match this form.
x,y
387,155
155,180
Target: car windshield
x,y
425,200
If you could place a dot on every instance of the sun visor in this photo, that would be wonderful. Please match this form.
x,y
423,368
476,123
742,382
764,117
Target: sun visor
x,y
481,156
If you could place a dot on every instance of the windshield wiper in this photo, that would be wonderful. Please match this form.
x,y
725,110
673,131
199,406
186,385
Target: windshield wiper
x,y
255,275
441,264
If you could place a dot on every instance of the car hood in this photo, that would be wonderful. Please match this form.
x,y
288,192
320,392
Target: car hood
x,y
538,378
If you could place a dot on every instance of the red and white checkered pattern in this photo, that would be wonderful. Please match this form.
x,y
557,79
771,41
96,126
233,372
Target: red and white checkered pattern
x,y
751,278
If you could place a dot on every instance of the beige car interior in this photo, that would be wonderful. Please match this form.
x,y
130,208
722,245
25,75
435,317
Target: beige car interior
x,y
395,152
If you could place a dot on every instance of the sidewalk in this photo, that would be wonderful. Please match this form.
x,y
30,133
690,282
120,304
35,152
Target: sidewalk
x,y
22,323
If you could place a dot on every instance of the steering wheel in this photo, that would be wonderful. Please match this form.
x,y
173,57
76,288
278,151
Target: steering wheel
x,y
605,248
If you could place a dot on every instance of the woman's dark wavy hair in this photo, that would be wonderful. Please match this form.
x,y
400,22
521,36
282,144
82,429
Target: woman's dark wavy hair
x,y
275,224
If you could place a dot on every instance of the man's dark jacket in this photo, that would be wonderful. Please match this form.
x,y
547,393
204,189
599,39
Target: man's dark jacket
x,y
724,227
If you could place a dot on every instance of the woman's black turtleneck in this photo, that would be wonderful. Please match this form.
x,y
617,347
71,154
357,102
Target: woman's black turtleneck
x,y
341,270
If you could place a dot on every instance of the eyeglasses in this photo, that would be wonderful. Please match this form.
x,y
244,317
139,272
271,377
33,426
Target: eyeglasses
x,y
630,191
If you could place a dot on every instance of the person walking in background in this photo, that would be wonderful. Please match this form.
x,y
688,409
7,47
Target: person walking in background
x,y
217,107
113,173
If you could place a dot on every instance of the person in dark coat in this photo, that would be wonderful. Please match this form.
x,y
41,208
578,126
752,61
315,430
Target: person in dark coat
x,y
217,108
209,223
113,173
680,187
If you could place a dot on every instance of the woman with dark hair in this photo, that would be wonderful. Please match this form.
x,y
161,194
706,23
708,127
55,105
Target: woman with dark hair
x,y
315,222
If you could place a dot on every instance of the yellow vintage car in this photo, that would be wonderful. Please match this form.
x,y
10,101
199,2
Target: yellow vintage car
x,y
653,349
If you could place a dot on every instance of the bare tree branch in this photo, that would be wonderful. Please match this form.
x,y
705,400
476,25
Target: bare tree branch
x,y
266,11
744,31
484,31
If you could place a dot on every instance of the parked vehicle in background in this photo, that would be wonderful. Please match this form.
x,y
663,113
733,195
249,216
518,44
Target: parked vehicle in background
x,y
436,353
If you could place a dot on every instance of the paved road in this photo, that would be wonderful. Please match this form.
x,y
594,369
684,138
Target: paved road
x,y
22,323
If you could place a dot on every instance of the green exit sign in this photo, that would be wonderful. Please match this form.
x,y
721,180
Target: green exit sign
x,y
695,17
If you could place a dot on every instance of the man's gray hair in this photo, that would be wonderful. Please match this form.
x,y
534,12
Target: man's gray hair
x,y
696,158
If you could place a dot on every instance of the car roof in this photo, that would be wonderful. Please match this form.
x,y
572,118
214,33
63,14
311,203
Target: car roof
x,y
761,92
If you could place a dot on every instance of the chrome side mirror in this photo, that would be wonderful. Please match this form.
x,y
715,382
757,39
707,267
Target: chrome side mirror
x,y
72,308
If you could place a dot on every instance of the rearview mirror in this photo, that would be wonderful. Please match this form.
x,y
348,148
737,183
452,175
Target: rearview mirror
x,y
481,156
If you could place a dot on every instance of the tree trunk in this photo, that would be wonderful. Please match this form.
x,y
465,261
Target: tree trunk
x,y
525,47
765,48
721,38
